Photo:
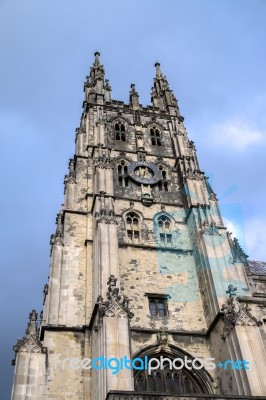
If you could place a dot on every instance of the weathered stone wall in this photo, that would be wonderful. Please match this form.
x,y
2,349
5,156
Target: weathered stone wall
x,y
62,380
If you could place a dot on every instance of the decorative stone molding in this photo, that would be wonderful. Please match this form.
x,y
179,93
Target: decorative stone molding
x,y
115,306
104,162
71,175
106,216
30,343
234,313
105,210
209,228
238,254
193,174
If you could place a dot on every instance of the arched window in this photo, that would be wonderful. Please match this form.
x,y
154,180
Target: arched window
x,y
163,184
155,136
168,380
120,131
164,231
122,174
133,227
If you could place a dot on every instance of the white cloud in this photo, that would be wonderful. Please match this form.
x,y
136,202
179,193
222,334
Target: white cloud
x,y
231,227
236,135
256,239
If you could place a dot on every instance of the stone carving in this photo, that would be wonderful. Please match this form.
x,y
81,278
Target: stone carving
x,y
97,67
30,342
141,156
106,216
71,175
140,142
107,85
65,183
70,178
162,339
209,228
133,96
193,174
207,224
58,236
234,313
238,254
82,124
115,306
105,210
103,161
45,292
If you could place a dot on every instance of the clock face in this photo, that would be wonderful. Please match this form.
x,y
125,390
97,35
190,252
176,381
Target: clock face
x,y
144,172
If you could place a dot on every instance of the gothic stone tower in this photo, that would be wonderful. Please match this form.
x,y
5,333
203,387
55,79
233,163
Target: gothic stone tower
x,y
141,263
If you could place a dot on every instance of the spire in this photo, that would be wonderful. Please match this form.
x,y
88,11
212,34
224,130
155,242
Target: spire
x,y
30,343
32,325
161,95
97,89
133,96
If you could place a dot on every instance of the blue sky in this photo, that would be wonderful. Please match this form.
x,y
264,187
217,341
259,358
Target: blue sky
x,y
213,53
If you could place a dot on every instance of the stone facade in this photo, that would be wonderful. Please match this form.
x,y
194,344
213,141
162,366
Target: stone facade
x,y
142,265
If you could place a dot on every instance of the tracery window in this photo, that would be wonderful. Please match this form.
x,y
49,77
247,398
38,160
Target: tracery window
x,y
155,136
122,174
163,184
167,380
120,131
164,231
133,227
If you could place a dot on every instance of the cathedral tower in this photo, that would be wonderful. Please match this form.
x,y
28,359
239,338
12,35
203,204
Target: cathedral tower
x,y
142,267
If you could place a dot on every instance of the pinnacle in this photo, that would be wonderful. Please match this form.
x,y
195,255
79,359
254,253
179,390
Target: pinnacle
x,y
97,58
158,70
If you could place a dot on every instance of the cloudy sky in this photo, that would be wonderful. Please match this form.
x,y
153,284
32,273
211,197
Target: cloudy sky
x,y
213,53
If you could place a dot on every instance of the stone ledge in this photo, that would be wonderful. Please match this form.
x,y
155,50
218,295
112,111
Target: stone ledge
x,y
128,395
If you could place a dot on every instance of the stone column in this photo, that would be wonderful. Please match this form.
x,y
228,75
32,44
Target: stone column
x,y
111,338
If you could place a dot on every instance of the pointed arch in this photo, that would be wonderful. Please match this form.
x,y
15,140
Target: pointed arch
x,y
120,130
121,171
133,226
120,118
164,183
164,225
155,135
158,124
171,380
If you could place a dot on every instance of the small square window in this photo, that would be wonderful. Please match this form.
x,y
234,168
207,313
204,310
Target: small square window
x,y
158,305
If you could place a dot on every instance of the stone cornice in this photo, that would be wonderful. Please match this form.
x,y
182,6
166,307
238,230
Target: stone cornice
x,y
151,247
